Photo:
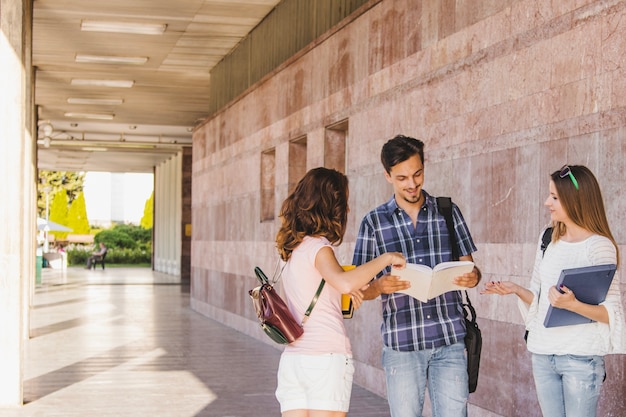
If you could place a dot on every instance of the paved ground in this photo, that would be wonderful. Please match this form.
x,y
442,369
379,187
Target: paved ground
x,y
124,342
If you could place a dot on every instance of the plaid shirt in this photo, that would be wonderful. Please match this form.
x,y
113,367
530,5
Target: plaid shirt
x,y
409,324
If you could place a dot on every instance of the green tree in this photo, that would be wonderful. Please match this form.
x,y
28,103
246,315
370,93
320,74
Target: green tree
x,y
55,181
148,213
59,211
77,216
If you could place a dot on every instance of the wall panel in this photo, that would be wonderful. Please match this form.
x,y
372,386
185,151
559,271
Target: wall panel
x,y
502,93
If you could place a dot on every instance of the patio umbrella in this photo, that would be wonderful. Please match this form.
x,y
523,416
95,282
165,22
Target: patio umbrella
x,y
52,226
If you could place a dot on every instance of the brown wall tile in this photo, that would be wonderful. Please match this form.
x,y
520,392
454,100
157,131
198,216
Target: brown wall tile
x,y
501,92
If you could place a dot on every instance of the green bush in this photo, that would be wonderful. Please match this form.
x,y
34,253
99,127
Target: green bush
x,y
128,256
115,239
125,236
77,255
137,233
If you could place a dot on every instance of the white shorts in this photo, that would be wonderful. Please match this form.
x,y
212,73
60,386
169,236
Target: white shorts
x,y
315,382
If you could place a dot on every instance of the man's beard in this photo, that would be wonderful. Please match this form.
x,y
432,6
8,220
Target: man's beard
x,y
414,199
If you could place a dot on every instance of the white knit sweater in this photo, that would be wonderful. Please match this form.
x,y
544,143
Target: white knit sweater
x,y
582,339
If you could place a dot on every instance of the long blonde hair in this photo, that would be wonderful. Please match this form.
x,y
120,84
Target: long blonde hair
x,y
584,204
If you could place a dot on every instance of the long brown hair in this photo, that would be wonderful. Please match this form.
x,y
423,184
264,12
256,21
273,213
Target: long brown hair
x,y
318,206
584,204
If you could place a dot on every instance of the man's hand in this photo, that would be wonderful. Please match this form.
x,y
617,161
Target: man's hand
x,y
387,284
469,280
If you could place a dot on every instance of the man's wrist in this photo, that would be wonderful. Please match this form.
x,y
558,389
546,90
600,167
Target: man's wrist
x,y
478,273
378,291
372,291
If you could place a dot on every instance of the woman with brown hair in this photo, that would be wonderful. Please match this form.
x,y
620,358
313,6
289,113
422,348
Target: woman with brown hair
x,y
568,361
315,372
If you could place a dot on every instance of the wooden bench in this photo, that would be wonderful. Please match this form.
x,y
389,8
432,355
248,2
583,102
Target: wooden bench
x,y
84,239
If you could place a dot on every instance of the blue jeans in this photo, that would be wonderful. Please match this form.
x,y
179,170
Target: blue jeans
x,y
445,368
568,385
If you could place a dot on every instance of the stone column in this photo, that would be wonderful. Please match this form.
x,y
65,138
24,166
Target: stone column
x,y
17,169
167,216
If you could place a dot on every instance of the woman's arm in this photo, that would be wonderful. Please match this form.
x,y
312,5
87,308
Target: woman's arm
x,y
508,287
354,279
567,300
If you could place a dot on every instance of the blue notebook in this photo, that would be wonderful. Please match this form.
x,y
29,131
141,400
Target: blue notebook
x,y
590,285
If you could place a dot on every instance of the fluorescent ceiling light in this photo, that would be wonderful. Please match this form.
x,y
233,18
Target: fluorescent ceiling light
x,y
94,149
110,59
90,116
104,83
123,27
103,101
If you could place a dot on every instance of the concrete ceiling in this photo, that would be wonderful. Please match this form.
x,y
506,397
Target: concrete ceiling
x,y
147,122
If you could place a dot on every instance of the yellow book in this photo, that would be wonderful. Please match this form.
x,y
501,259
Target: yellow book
x,y
347,308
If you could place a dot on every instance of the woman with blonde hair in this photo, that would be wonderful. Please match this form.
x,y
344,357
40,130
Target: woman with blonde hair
x,y
315,372
568,361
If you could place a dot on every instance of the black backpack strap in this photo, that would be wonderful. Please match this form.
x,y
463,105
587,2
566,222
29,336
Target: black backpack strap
x,y
444,205
546,239
469,312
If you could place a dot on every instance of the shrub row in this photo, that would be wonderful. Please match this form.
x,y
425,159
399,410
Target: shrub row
x,y
125,236
78,254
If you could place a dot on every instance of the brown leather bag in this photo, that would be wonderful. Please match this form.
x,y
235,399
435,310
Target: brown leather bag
x,y
274,316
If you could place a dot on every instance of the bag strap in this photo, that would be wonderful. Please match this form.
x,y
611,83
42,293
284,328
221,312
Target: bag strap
x,y
263,279
471,309
546,239
444,205
313,302
261,276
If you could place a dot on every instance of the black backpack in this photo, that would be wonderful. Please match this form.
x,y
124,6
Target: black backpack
x,y
473,336
545,240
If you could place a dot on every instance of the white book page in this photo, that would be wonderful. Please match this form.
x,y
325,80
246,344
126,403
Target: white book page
x,y
427,283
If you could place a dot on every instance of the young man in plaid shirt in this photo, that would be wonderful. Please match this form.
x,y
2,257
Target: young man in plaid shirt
x,y
423,343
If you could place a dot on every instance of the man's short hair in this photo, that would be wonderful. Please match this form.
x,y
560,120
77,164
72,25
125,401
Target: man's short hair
x,y
399,149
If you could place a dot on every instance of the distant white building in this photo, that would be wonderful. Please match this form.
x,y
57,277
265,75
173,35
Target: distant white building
x,y
116,197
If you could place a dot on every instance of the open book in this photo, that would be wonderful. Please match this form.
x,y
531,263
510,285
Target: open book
x,y
428,283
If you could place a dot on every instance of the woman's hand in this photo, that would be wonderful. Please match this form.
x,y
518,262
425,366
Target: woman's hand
x,y
500,287
563,298
397,260
508,287
566,299
357,297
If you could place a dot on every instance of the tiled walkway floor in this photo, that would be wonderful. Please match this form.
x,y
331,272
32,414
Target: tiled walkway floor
x,y
124,342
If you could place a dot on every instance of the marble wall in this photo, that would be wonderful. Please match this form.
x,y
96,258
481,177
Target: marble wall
x,y
502,93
